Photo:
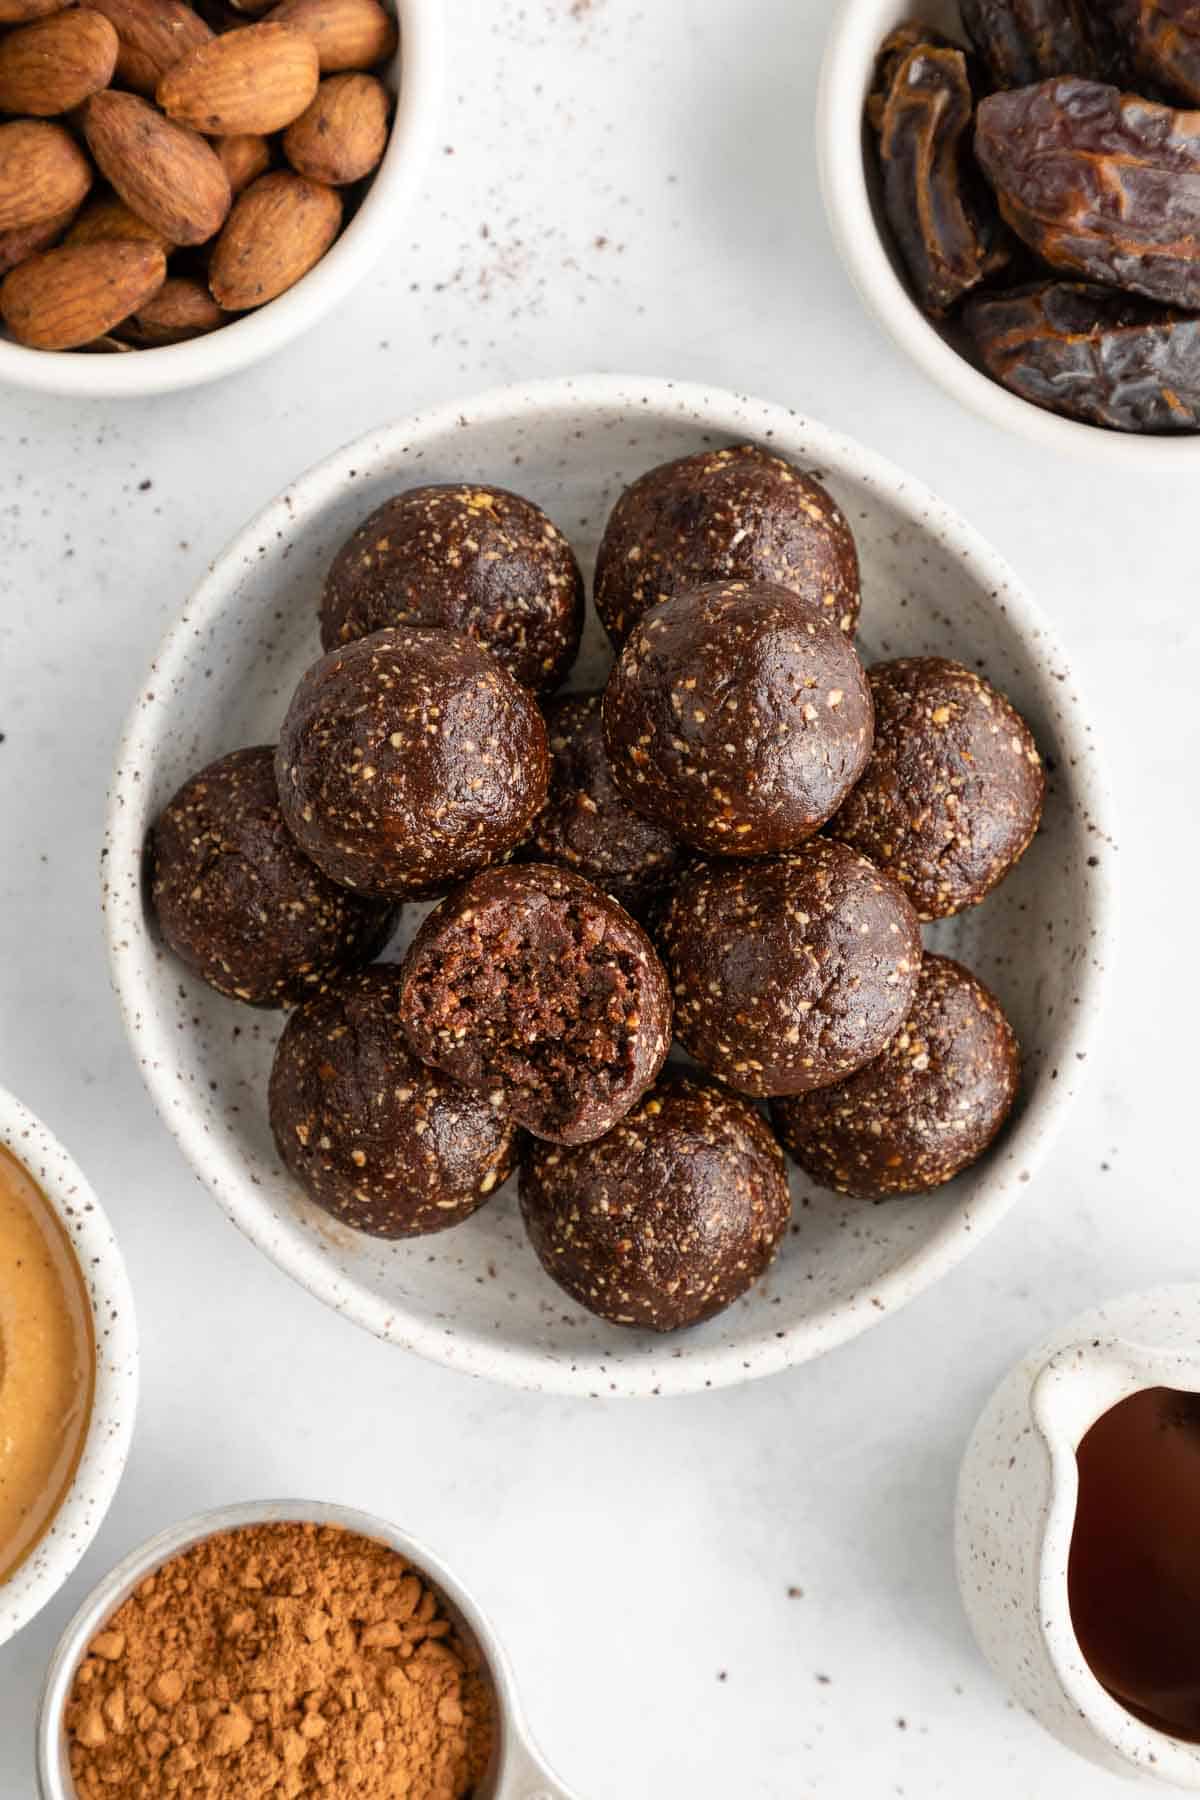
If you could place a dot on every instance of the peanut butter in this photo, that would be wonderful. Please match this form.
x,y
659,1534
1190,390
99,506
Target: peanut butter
x,y
47,1364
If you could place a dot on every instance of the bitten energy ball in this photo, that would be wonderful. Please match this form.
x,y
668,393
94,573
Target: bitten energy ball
x,y
375,1137
923,1110
789,974
953,792
668,1218
586,825
737,718
473,559
736,514
531,986
239,902
408,759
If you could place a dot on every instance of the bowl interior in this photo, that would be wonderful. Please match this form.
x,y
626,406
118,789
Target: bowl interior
x,y
475,1296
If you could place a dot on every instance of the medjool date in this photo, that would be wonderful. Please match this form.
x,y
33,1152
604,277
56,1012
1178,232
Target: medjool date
x,y
1099,182
1165,35
1023,41
1092,353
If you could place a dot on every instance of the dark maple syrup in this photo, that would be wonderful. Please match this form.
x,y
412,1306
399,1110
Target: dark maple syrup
x,y
1133,1580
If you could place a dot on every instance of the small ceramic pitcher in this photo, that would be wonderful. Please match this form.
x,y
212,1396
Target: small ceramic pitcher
x,y
1016,1511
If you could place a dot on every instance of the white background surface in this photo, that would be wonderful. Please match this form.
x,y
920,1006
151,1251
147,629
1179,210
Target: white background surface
x,y
628,187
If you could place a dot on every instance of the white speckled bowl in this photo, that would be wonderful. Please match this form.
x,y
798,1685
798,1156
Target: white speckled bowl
x,y
476,1298
864,242
114,1405
415,78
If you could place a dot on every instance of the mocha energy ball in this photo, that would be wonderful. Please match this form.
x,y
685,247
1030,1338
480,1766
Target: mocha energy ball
x,y
924,1109
737,718
375,1137
408,759
531,986
239,902
670,1216
952,795
586,825
737,514
473,559
789,974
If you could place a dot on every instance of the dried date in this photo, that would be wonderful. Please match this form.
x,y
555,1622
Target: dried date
x,y
1023,41
1093,354
1166,43
1100,183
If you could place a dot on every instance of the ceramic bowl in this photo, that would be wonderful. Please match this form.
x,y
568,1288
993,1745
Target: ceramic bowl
x,y
517,1771
852,203
476,1297
114,1403
415,77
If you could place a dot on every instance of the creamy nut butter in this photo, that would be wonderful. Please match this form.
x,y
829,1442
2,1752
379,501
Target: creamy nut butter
x,y
47,1364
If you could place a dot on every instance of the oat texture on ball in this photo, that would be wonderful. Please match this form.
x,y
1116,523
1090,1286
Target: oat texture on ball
x,y
408,759
238,901
792,972
530,985
952,795
926,1108
468,557
586,824
670,1216
737,718
375,1137
731,514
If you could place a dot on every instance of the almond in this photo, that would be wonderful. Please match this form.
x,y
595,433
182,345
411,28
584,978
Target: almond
x,y
165,173
343,134
182,308
15,12
277,230
257,78
153,34
243,159
54,64
68,297
106,217
43,173
19,245
349,34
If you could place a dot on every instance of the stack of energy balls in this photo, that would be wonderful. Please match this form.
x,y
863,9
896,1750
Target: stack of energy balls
x,y
734,844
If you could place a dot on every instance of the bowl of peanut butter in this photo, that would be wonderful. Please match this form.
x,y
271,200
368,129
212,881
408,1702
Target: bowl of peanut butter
x,y
68,1365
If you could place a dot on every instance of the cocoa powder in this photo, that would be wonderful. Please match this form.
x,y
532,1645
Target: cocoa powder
x,y
283,1660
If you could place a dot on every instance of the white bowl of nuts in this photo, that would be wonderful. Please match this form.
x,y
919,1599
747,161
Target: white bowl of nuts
x,y
181,195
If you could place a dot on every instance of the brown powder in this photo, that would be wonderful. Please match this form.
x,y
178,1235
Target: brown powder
x,y
282,1660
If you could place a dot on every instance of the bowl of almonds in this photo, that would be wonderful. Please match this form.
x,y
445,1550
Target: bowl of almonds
x,y
186,185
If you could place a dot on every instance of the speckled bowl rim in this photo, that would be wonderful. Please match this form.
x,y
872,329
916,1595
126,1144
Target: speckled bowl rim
x,y
260,334
845,78
682,1364
114,1403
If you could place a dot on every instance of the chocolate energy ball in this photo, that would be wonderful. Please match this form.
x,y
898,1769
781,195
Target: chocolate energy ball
x,y
408,759
923,1110
375,1137
789,974
473,559
670,1216
531,986
736,514
737,718
952,795
586,825
239,902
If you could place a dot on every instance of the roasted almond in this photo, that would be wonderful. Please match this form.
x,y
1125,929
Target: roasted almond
x,y
165,173
277,230
106,217
68,297
53,64
349,34
243,158
27,240
256,78
16,12
43,173
183,308
153,34
343,134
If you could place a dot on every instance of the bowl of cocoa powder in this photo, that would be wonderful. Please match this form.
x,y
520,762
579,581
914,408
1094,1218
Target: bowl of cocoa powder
x,y
288,1648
